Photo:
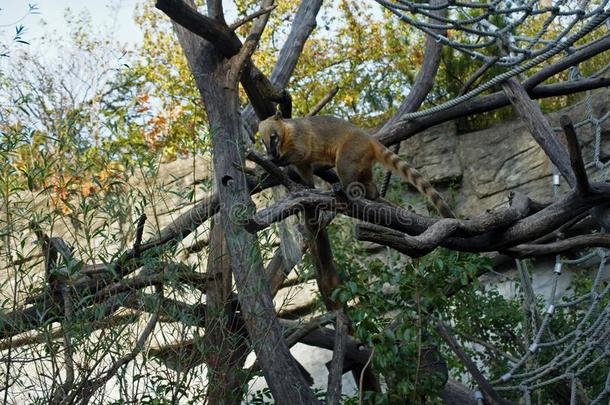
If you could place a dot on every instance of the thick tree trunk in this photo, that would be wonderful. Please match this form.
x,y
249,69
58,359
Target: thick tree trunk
x,y
222,106
226,341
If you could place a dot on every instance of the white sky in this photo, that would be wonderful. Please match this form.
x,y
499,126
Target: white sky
x,y
116,15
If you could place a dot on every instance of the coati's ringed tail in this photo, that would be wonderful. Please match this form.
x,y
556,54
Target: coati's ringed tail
x,y
393,162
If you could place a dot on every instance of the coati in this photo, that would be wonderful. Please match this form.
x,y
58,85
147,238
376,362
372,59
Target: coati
x,y
331,141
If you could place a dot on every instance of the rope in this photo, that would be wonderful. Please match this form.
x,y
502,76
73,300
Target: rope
x,y
588,344
484,34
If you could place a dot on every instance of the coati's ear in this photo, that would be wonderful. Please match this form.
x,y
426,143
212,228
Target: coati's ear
x,y
278,115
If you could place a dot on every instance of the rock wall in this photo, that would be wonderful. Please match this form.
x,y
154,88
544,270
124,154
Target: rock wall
x,y
485,165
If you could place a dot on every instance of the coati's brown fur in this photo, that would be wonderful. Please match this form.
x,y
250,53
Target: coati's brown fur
x,y
331,141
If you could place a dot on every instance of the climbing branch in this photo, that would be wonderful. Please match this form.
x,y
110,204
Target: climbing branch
x,y
249,45
578,166
259,89
539,127
499,230
248,18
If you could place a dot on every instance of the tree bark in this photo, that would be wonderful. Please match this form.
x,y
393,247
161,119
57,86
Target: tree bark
x,y
303,25
222,106
225,340
539,127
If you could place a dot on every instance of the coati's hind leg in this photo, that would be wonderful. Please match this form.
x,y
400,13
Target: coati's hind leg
x,y
306,174
356,174
366,178
371,189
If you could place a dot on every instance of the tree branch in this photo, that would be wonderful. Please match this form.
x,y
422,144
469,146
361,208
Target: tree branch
x,y
250,44
403,129
303,25
322,103
259,89
574,243
539,127
248,18
578,166
491,396
333,392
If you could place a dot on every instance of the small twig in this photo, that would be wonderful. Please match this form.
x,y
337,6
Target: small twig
x,y
361,382
578,166
490,394
251,17
322,103
99,382
480,72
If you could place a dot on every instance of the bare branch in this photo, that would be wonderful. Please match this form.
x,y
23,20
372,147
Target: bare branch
x,y
322,103
430,239
248,18
249,45
578,166
402,130
303,25
225,40
259,89
333,392
539,127
491,396
562,246
587,51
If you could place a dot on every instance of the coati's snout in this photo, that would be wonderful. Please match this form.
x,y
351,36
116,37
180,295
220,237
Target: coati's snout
x,y
271,130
